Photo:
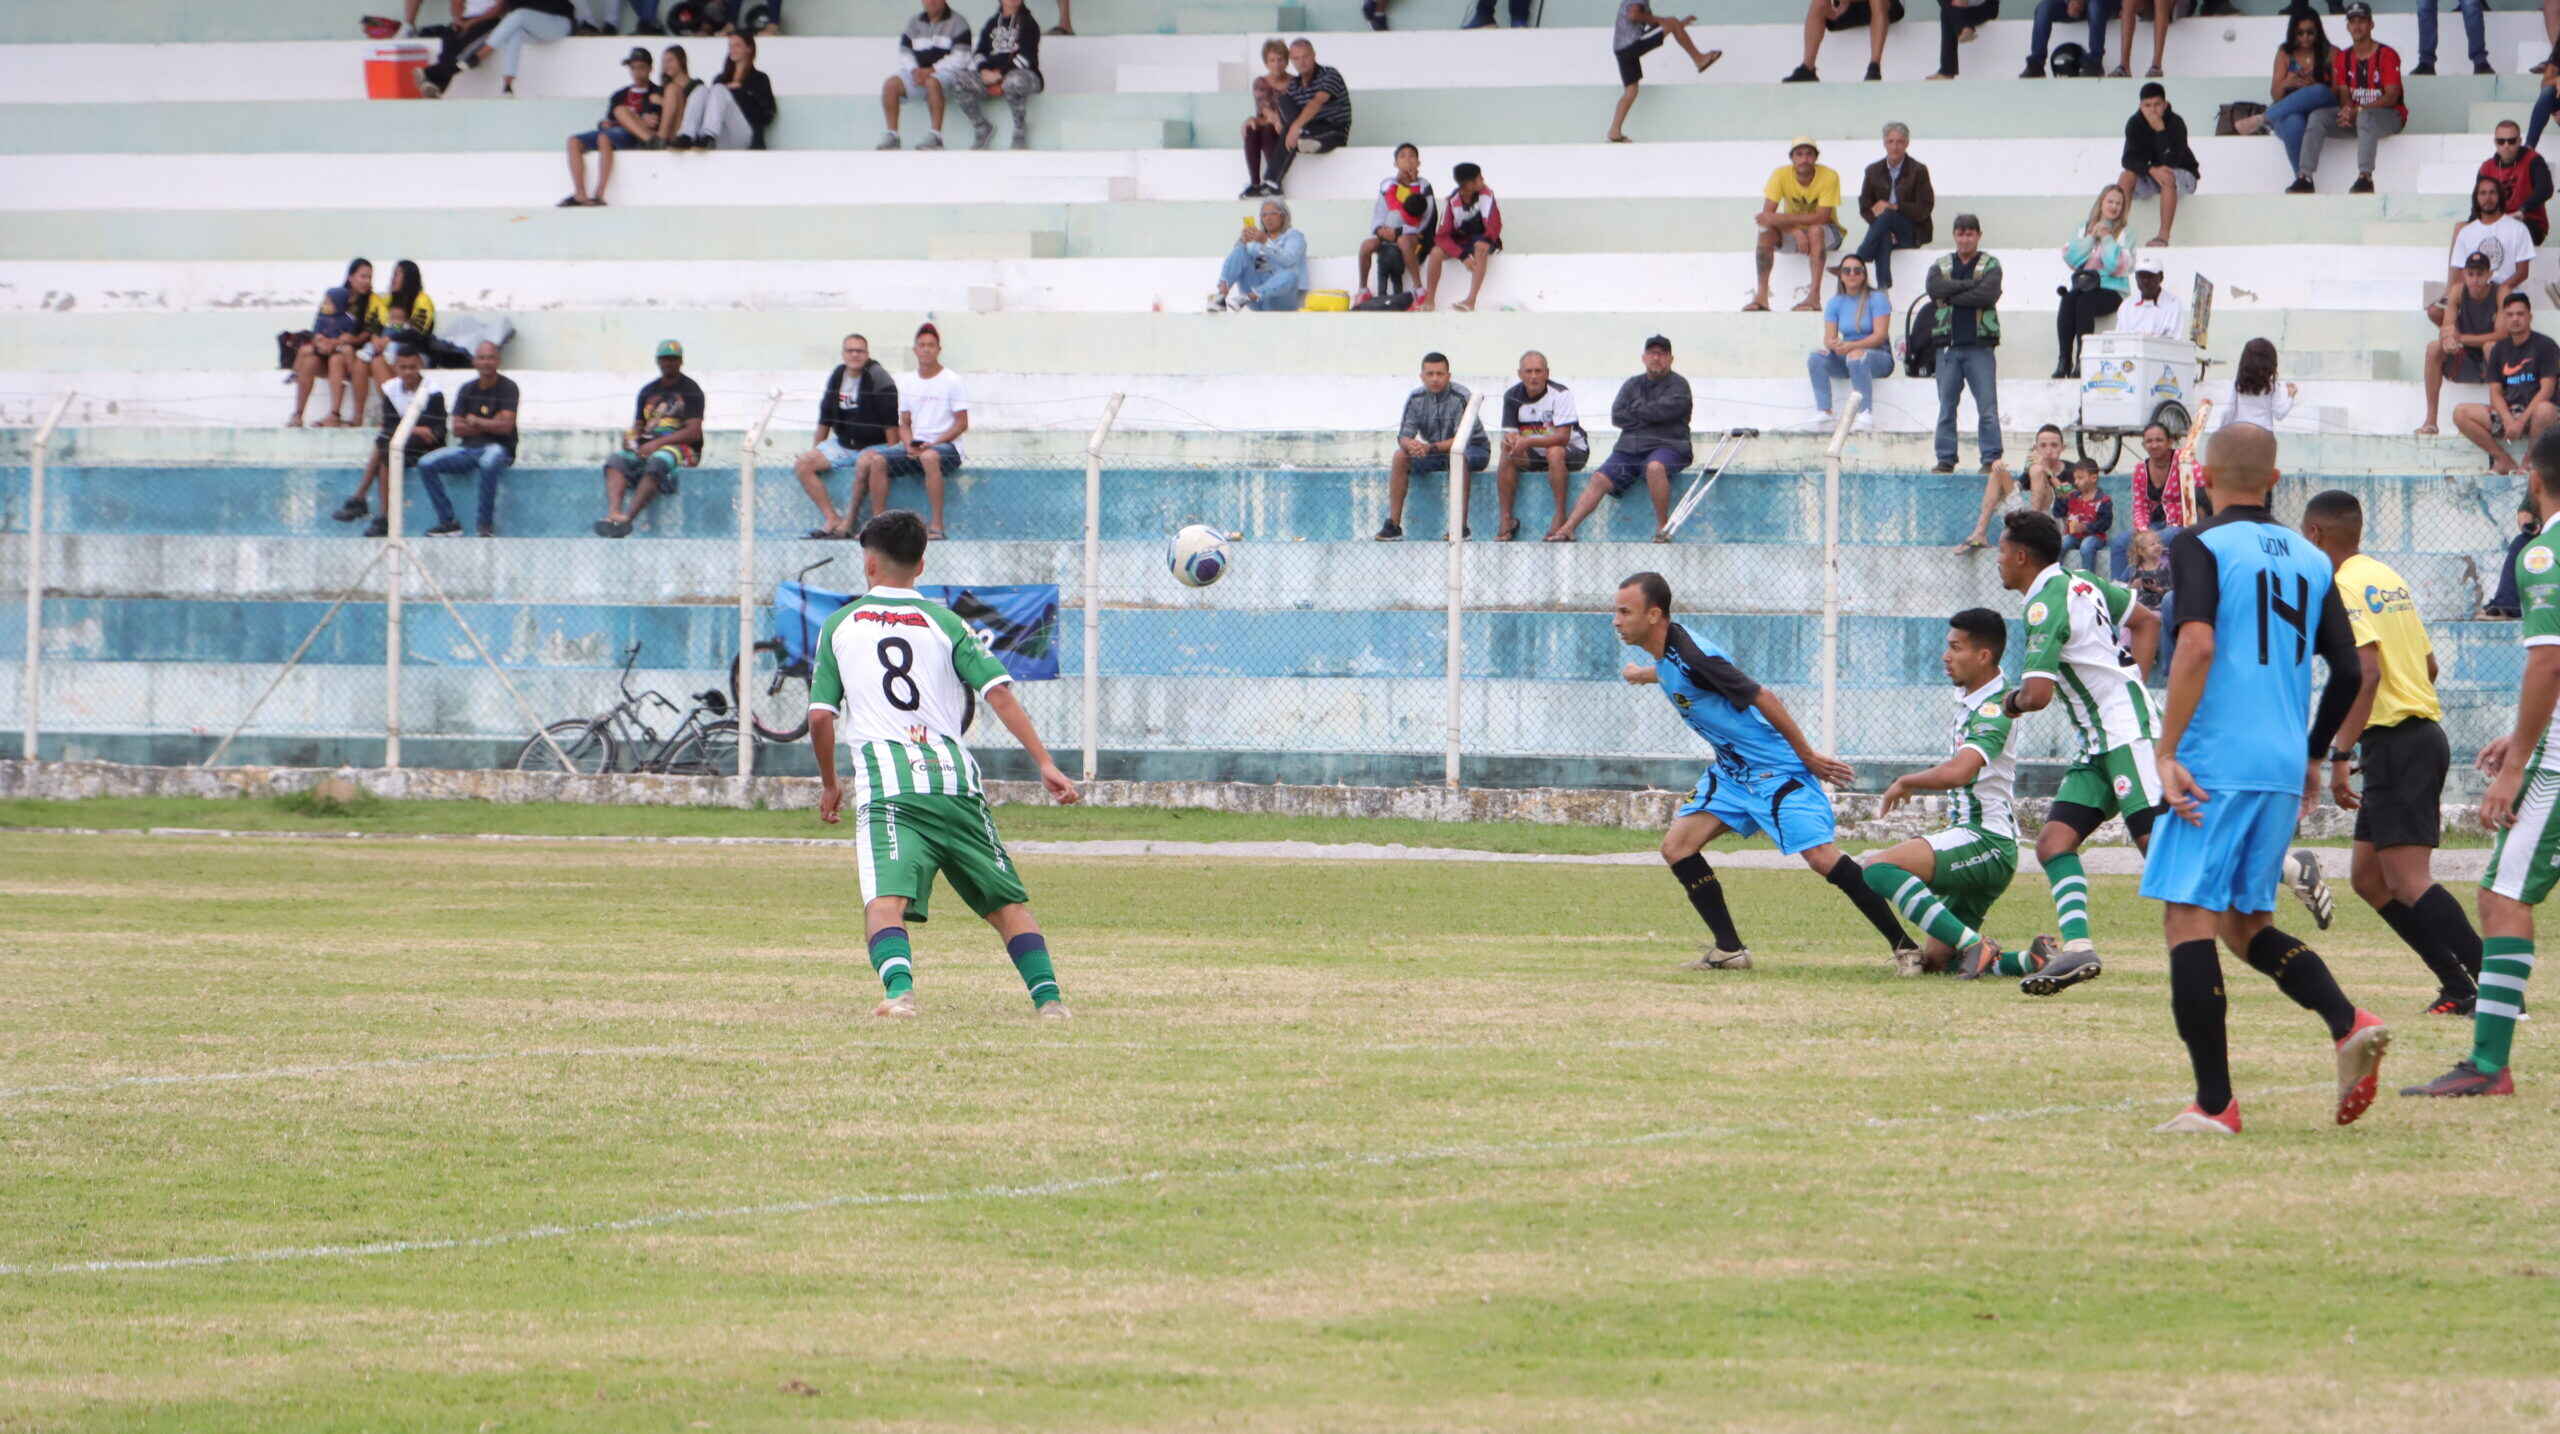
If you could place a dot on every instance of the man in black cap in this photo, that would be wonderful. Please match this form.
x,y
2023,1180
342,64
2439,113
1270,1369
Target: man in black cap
x,y
1652,414
630,122
2371,106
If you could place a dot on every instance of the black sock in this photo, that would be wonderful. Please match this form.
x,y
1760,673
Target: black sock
x,y
1852,881
2300,973
2450,979
1707,894
2196,1001
2452,928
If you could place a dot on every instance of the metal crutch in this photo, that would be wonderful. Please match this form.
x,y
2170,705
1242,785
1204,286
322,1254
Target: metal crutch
x,y
1728,448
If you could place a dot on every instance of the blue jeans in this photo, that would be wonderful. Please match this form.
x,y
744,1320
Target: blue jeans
x,y
489,460
1273,290
2545,100
1890,231
2040,42
1861,369
2290,116
1976,368
2474,30
2088,550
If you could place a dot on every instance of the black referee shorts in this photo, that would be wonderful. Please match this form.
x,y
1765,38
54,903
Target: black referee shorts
x,y
2404,771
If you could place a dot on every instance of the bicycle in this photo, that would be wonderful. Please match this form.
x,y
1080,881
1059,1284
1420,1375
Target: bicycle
x,y
774,674
591,745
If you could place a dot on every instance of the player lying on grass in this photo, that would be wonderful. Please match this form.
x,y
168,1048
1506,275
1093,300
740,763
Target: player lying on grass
x,y
1766,777
2088,645
1946,882
905,675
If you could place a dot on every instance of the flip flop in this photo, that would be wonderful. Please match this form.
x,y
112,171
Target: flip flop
x,y
1618,139
1711,57
934,535
1755,307
1557,538
1508,532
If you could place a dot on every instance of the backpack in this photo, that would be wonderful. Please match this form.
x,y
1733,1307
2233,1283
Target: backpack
x,y
1920,339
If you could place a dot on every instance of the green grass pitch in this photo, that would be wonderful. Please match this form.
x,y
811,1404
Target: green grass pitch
x,y
550,1137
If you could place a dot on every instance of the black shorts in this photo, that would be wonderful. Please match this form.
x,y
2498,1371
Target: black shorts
x,y
1857,15
1631,59
2404,771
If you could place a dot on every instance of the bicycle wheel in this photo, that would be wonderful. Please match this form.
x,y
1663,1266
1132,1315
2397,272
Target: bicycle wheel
x,y
588,745
776,695
709,751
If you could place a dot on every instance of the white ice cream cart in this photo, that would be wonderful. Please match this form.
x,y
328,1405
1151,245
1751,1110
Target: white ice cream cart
x,y
2131,381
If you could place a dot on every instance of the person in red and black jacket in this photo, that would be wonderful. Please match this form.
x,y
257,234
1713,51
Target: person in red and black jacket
x,y
2370,103
2524,180
1470,232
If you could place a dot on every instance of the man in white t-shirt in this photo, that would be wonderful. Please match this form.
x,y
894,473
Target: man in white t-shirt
x,y
933,411
1541,428
2154,311
2496,233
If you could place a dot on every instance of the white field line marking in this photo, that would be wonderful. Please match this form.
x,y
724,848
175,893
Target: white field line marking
x,y
1046,1189
463,1058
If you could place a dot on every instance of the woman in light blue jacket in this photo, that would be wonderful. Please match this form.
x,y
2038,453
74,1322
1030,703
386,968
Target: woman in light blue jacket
x,y
1268,267
2099,250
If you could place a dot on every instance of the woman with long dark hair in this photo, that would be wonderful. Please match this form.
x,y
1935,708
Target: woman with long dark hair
x,y
2300,90
734,110
336,330
403,319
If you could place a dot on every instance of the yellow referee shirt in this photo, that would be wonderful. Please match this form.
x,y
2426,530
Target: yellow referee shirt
x,y
2383,614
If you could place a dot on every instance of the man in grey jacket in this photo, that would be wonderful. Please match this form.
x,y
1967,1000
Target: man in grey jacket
x,y
1652,415
1424,440
933,58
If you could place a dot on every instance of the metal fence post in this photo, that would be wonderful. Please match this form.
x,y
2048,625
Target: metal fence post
x,y
1457,587
395,472
1090,581
35,576
1831,575
747,589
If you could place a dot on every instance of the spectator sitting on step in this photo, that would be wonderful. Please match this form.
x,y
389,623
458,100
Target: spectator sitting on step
x,y
2466,321
676,89
933,58
2087,516
1857,344
630,122
2101,268
933,411
400,321
735,109
1425,436
1798,208
1541,428
1268,122
2154,312
1652,412
1267,269
1821,15
2492,231
1957,21
2524,180
337,331
1481,18
2475,34
472,22
665,439
1639,32
2093,56
2003,490
2258,395
1897,201
2157,158
1318,110
1471,233
1008,64
527,22
857,413
2161,486
2149,572
408,376
2161,13
484,442
2298,92
2546,96
2366,80
2523,366
1400,221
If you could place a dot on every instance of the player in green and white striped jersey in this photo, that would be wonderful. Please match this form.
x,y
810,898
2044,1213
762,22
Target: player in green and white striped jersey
x,y
905,675
1945,883
2089,643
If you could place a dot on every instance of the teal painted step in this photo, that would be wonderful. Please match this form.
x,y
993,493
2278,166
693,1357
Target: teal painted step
x,y
1196,231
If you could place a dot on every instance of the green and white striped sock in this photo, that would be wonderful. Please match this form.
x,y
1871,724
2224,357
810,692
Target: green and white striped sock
x,y
2506,963
891,960
1919,905
2070,895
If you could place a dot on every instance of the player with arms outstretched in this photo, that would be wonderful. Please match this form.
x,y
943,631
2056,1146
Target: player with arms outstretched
x,y
2522,806
2088,645
1766,777
2240,760
905,675
1946,882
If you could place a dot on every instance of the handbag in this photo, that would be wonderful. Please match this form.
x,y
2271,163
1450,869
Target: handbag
x,y
2226,121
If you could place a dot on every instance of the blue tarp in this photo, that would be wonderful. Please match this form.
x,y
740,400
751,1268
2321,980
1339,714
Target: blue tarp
x,y
1017,622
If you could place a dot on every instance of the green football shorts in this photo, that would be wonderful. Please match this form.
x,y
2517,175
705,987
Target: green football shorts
x,y
2526,858
901,842
2116,782
1974,868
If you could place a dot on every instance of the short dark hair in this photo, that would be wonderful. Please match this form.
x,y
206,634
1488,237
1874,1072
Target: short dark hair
x,y
2155,91
2084,465
1409,144
1435,356
1466,173
2337,505
2036,532
2053,428
896,535
1985,627
2518,297
1657,590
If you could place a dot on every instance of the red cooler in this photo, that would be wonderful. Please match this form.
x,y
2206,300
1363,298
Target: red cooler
x,y
391,68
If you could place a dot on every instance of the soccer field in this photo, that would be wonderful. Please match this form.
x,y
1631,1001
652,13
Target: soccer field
x,y
377,1136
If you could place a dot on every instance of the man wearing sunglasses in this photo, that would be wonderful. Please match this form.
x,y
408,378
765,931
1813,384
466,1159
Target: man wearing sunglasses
x,y
2524,179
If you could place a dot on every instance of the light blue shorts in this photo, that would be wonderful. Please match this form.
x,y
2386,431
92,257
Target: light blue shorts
x,y
836,454
1791,811
2234,862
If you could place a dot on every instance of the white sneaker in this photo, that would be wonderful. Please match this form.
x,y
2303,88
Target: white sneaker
x,y
1056,1011
903,1008
1217,303
1822,422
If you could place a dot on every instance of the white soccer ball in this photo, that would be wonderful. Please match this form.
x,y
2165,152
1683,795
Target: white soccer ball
x,y
1197,555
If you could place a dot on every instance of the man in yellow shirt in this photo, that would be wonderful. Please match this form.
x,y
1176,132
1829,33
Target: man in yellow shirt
x,y
2405,758
1800,200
